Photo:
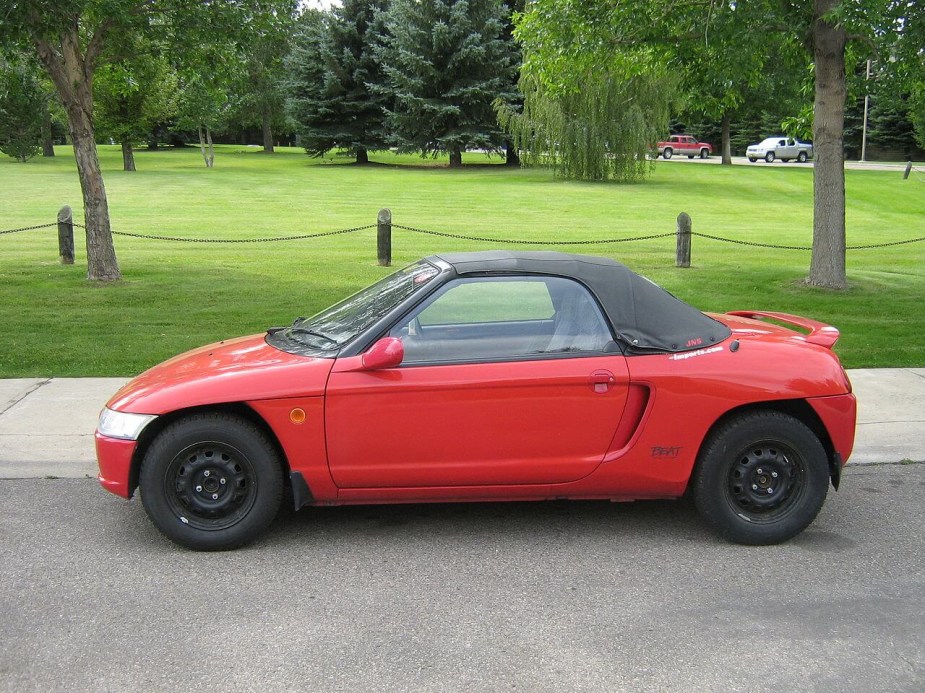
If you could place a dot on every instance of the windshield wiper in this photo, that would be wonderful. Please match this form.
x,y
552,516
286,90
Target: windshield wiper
x,y
313,333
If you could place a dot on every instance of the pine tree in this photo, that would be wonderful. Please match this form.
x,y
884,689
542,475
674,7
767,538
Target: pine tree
x,y
446,61
332,70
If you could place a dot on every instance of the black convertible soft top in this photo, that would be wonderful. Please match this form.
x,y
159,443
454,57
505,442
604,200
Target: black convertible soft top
x,y
645,316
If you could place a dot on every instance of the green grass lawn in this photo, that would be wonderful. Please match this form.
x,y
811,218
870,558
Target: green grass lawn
x,y
175,296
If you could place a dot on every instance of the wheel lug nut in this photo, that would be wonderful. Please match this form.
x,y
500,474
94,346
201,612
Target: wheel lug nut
x,y
760,470
222,482
770,491
207,472
754,487
199,489
774,474
214,496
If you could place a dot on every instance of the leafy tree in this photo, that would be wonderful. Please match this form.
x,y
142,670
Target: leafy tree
x,y
332,72
133,94
590,111
445,62
23,104
595,125
259,93
71,38
724,70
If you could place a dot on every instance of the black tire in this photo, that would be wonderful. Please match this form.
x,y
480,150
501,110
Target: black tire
x,y
761,478
690,156
785,160
752,160
769,157
801,157
667,153
211,481
704,153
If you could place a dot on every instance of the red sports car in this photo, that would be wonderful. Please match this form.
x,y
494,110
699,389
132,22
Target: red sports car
x,y
490,376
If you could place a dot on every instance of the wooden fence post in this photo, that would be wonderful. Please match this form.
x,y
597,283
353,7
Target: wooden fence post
x,y
384,237
683,255
66,235
908,169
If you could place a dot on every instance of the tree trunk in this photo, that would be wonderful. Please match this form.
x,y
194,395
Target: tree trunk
x,y
267,132
726,144
362,155
827,267
128,155
511,158
205,146
72,75
48,141
455,158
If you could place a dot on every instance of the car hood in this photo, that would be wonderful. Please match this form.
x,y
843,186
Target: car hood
x,y
236,370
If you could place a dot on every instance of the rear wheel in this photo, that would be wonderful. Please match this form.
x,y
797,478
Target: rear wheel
x,y
761,478
752,159
211,481
801,157
704,153
769,157
667,153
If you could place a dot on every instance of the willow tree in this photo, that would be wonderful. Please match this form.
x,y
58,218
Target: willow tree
x,y
589,111
596,127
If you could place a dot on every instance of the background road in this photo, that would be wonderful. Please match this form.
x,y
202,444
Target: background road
x,y
514,597
717,158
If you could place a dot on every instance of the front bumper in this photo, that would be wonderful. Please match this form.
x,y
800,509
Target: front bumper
x,y
114,457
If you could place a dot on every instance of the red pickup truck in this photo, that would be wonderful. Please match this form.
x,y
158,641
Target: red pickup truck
x,y
684,144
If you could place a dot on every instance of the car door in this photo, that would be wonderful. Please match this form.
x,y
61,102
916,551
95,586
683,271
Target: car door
x,y
505,381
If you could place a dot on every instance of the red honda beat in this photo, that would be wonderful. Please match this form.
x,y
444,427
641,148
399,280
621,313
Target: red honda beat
x,y
484,377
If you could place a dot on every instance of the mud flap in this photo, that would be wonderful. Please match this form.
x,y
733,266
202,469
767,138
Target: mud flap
x,y
835,470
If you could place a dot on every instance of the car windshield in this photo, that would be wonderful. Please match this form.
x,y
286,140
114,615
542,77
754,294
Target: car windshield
x,y
335,326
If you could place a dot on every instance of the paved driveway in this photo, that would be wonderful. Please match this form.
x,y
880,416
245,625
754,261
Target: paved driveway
x,y
515,597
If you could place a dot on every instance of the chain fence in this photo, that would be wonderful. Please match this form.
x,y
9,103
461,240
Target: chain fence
x,y
469,237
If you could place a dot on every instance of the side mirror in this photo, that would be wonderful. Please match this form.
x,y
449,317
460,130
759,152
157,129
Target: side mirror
x,y
388,352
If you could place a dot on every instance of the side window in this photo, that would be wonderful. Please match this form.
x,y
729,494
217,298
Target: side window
x,y
504,319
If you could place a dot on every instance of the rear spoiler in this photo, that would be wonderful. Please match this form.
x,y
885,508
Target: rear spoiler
x,y
819,333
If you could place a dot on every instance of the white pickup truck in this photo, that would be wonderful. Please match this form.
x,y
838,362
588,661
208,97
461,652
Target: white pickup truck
x,y
780,147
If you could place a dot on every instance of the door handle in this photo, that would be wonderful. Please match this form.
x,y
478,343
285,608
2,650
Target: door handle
x,y
601,381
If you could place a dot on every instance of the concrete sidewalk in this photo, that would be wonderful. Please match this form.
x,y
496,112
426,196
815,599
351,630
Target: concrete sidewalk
x,y
47,425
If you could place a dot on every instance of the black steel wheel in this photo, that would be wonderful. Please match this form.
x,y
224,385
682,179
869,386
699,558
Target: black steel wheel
x,y
211,481
761,478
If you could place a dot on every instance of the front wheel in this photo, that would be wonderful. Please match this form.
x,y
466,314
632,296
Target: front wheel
x,y
761,478
667,153
211,481
769,157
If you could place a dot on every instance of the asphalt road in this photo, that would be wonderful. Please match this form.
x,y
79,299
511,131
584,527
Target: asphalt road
x,y
743,161
513,597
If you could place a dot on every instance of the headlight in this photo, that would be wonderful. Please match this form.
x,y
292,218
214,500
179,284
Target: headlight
x,y
117,424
